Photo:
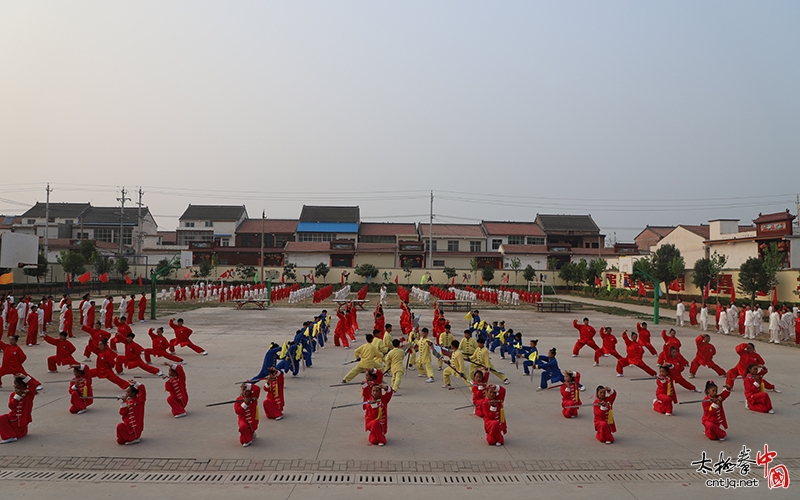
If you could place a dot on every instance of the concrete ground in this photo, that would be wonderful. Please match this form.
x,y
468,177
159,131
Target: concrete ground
x,y
316,451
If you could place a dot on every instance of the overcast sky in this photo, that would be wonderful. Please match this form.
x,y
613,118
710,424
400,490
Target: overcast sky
x,y
636,112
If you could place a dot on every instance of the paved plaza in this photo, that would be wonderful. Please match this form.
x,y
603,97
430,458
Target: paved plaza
x,y
316,451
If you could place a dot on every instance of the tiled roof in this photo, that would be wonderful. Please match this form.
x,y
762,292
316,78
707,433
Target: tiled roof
x,y
214,212
376,248
105,216
387,228
701,230
455,230
659,230
494,228
582,223
168,237
308,247
776,217
330,214
57,210
272,226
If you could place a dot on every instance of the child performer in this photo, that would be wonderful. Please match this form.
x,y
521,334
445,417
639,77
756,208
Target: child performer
x,y
570,394
64,350
634,352
550,371
757,399
713,412
133,358
665,392
246,408
586,335
182,334
14,424
273,387
376,419
494,418
609,345
456,366
644,338
80,389
604,414
677,363
131,408
13,358
175,385
705,356
160,345
394,364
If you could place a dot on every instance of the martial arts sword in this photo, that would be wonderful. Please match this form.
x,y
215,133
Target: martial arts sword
x,y
348,383
795,404
643,378
222,403
55,381
463,407
689,402
101,397
351,362
578,406
351,404
492,370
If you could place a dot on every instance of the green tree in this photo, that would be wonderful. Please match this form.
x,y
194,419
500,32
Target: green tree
x,y
450,272
529,274
552,264
667,265
245,273
88,249
595,269
122,266
773,262
290,271
321,271
40,270
753,278
473,267
72,262
205,268
515,265
570,273
367,271
581,271
487,273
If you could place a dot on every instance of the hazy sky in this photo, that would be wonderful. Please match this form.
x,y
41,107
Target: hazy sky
x,y
636,112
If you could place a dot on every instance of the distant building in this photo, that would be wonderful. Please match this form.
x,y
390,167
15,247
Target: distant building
x,y
455,245
512,233
650,236
576,231
210,224
320,223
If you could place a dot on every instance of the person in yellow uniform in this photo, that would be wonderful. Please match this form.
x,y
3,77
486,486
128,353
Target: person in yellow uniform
x,y
387,339
378,343
368,357
394,364
424,346
456,365
445,339
480,358
413,337
467,346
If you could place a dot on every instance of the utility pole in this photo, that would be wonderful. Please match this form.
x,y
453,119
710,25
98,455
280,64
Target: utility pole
x,y
121,201
261,256
430,236
47,221
797,213
139,229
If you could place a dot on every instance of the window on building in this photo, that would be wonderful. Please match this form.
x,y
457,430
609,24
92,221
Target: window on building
x,y
188,224
432,244
595,245
438,263
68,221
127,236
452,245
535,240
516,240
31,221
496,244
317,236
247,241
225,242
280,242
209,223
104,234
474,246
378,239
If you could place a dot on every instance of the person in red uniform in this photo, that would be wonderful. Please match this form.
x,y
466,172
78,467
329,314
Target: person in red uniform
x,y
64,350
380,319
133,357
129,309
33,327
670,340
246,408
80,389
14,424
634,352
705,356
677,363
757,399
131,408
340,332
376,418
604,414
96,334
13,358
571,394
182,335
65,320
90,313
644,337
142,307
494,417
665,392
352,321
12,318
273,388
713,413
693,313
47,305
586,336
747,356
109,312
609,345
106,360
123,329
479,379
160,345
175,385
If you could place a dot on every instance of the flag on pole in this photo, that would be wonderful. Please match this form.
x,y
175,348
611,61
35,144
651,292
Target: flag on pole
x,y
397,279
68,278
7,278
453,281
642,291
83,278
140,281
103,277
597,281
625,281
657,291
283,279
422,280
313,281
608,284
128,280
707,291
255,278
188,274
481,284
774,295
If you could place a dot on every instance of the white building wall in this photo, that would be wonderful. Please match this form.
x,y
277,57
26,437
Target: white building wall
x,y
690,244
736,251
308,259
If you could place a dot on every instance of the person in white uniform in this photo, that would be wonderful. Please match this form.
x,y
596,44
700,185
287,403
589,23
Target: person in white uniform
x,y
679,312
704,317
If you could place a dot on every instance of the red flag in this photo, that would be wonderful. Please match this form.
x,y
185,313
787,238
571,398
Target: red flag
x,y
642,291
187,275
453,281
312,279
597,281
83,278
706,291
283,279
103,277
128,280
674,286
774,295
397,279
733,294
140,281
